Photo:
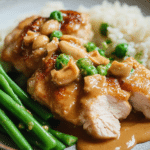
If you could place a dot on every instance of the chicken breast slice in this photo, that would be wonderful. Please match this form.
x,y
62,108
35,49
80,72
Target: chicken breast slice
x,y
138,83
103,106
62,100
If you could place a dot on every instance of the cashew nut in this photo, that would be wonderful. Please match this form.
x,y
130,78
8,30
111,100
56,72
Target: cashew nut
x,y
51,48
74,50
40,41
71,39
49,26
97,59
66,75
30,37
120,69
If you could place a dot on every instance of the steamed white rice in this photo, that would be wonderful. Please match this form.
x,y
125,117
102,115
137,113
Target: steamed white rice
x,y
128,25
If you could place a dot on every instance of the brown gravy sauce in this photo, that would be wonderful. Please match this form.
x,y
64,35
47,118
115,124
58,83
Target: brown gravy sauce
x,y
135,129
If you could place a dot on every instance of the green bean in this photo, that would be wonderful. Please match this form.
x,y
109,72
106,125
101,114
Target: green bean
x,y
2,130
34,106
13,132
41,121
23,115
34,141
65,138
59,145
8,89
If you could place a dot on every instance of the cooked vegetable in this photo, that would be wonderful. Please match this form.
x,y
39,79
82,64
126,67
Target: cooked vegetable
x,y
103,29
61,61
111,59
86,67
104,45
59,145
14,133
23,115
37,108
102,70
101,52
121,50
65,138
108,41
56,15
4,84
90,46
83,62
132,70
57,34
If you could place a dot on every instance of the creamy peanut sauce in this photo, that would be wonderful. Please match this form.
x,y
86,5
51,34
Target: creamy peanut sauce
x,y
135,129
65,101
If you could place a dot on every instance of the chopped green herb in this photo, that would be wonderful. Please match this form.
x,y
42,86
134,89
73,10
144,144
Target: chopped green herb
x,y
138,56
132,70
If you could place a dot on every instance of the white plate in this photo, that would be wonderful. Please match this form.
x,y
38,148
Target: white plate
x,y
12,9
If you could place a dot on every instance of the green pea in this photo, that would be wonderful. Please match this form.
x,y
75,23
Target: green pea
x,y
111,59
90,46
103,69
56,15
62,61
86,67
57,34
103,29
101,52
121,50
108,41
108,66
83,62
88,70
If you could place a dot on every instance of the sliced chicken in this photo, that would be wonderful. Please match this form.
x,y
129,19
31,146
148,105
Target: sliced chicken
x,y
63,101
138,83
28,43
103,105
